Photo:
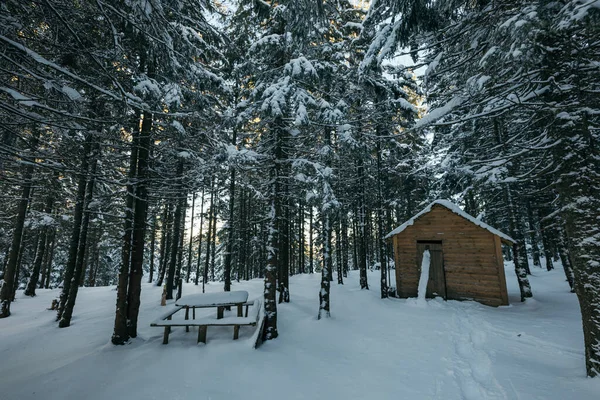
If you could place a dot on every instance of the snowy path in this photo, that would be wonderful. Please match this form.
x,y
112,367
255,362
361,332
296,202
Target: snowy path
x,y
473,367
370,348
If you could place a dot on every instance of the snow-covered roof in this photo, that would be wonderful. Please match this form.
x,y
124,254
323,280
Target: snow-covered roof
x,y
456,210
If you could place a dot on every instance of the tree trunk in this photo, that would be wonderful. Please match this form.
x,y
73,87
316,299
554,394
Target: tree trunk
x,y
283,259
42,274
91,280
152,248
533,236
200,239
310,240
65,320
344,234
189,260
274,240
76,231
50,258
546,233
270,328
355,241
519,252
380,227
86,255
209,234
581,224
244,240
579,188
362,226
362,245
17,278
324,295
302,241
5,260
230,224
338,252
565,259
165,243
174,249
8,288
178,278
41,252
213,241
230,233
121,333
139,225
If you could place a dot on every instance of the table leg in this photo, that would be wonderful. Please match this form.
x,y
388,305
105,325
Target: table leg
x,y
202,333
236,332
220,312
187,316
166,335
193,312
240,310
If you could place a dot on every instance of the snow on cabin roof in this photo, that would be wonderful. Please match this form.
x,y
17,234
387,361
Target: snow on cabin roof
x,y
456,210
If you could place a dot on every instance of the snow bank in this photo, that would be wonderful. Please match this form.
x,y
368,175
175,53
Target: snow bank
x,y
454,351
424,278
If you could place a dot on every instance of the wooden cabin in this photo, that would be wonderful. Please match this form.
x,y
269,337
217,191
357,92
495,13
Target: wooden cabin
x,y
466,255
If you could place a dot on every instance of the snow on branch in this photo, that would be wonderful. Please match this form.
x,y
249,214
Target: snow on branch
x,y
439,112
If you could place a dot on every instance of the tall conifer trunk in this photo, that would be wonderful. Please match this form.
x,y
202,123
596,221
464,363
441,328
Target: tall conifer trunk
x,y
188,271
7,290
152,247
270,328
200,238
49,260
533,236
519,250
175,241
380,225
165,243
41,252
362,228
178,278
120,333
230,223
565,258
338,253
213,242
324,293
302,241
139,225
546,242
579,188
76,230
65,320
310,240
209,234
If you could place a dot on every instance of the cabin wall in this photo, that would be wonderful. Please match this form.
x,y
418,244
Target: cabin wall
x,y
472,259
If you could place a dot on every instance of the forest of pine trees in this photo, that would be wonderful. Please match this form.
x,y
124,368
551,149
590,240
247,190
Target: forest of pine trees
x,y
203,141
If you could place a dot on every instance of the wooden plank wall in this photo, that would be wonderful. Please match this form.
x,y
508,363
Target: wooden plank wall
x,y
472,261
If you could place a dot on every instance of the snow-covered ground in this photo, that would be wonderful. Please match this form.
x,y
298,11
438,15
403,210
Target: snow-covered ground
x,y
369,349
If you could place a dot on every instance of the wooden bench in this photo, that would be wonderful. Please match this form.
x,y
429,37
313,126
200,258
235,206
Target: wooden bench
x,y
165,320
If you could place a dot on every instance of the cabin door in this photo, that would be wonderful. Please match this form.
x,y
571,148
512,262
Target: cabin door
x,y
436,286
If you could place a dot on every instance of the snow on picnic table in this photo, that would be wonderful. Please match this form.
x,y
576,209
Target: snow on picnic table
x,y
369,349
213,299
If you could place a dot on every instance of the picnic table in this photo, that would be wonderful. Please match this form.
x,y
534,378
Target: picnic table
x,y
219,300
